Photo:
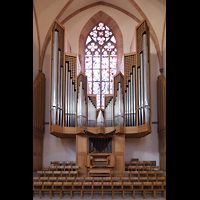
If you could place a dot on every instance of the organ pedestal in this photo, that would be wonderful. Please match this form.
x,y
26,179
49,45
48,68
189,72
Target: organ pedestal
x,y
74,113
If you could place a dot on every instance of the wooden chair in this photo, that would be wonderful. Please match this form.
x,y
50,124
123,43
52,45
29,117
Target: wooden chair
x,y
57,187
159,173
125,179
57,174
154,168
73,173
164,188
68,168
49,173
66,163
147,163
73,163
60,168
140,163
52,168
46,187
143,173
67,187
60,163
44,179
133,163
36,179
157,187
126,173
65,174
37,187
127,164
41,173
127,187
134,174
143,179
132,168
53,179
87,187
61,179
117,187
147,187
74,168
97,187
134,179
151,179
45,168
88,179
77,187
70,179
107,187
160,179
140,168
151,173
137,187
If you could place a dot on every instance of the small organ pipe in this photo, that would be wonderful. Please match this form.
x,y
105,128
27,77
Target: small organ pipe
x,y
54,78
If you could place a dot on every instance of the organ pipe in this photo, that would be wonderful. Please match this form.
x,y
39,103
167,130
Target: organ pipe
x,y
58,89
54,78
139,93
146,81
119,107
142,88
61,96
66,94
134,96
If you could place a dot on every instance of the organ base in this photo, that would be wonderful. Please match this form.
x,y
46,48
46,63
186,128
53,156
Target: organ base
x,y
130,132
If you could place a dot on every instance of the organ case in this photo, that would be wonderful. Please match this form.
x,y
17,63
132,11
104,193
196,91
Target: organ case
x,y
126,113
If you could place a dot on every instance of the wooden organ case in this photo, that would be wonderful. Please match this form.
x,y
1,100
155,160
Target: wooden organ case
x,y
100,133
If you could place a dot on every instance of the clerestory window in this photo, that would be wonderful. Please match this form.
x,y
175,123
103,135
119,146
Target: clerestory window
x,y
100,61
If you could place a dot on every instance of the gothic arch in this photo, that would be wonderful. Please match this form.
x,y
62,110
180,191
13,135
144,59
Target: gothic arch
x,y
103,17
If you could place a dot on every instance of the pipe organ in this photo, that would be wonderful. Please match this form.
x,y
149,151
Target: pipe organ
x,y
74,113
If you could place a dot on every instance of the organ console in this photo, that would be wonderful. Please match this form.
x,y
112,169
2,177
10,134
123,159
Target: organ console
x,y
126,113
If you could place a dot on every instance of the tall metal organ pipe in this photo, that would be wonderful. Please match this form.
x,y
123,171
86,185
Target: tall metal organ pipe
x,y
54,78
146,80
139,94
142,88
61,95
66,94
58,89
134,95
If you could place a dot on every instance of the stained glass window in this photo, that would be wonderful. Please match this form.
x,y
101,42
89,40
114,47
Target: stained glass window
x,y
100,61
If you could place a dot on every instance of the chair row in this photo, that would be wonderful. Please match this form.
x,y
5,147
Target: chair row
x,y
64,163
140,163
99,179
60,168
102,187
143,173
57,173
142,168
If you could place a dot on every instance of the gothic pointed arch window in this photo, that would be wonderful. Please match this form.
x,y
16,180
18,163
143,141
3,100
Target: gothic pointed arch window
x,y
100,61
